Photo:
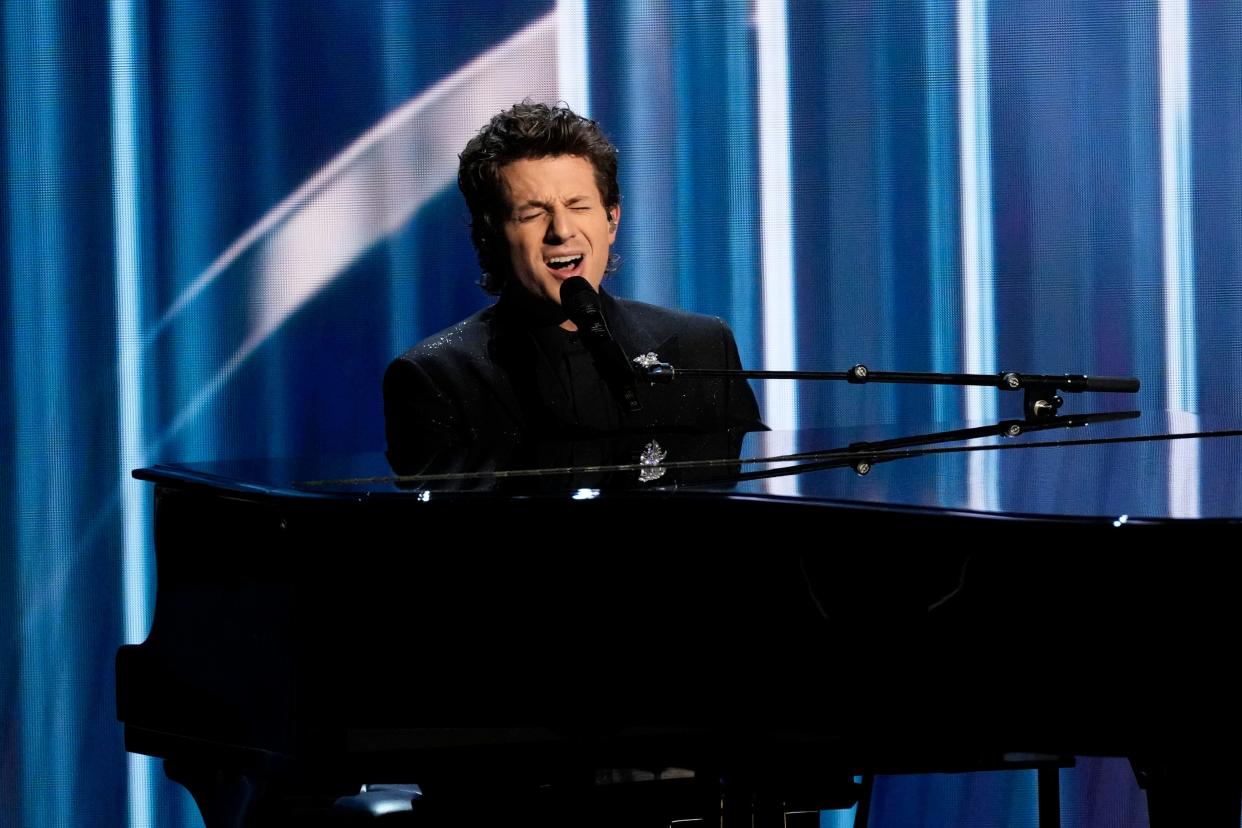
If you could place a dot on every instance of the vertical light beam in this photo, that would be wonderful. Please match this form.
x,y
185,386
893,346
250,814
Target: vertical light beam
x,y
978,300
126,201
1181,391
776,211
1181,374
942,202
572,78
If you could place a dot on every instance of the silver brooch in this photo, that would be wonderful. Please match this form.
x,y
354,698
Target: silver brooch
x,y
650,459
647,360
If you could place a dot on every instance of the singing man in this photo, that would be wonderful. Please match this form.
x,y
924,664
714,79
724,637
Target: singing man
x,y
541,186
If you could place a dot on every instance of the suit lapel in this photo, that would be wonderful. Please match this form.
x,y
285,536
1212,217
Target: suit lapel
x,y
636,339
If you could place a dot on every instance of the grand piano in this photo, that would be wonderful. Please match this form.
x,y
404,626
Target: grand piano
x,y
732,628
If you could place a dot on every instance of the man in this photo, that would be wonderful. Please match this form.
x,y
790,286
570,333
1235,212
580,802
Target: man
x,y
541,186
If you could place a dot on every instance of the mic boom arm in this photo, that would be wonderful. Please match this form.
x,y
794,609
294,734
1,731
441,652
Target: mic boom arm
x,y
1040,391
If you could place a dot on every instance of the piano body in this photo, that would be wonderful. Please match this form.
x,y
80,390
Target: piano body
x,y
774,616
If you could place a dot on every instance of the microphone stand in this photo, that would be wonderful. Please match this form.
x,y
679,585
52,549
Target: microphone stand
x,y
1040,391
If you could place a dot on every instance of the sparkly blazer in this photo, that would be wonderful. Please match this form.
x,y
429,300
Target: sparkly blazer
x,y
510,373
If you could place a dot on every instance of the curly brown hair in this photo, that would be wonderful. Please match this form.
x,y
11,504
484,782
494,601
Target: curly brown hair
x,y
527,130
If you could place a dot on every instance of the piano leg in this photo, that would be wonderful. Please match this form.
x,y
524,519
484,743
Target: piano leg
x,y
1049,783
225,799
863,814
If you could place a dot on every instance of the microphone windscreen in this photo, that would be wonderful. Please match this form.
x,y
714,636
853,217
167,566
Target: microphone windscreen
x,y
581,304
577,293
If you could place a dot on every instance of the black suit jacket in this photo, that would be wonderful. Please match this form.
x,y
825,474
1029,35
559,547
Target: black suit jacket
x,y
477,381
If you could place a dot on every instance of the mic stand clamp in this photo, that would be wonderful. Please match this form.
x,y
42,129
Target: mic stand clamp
x,y
1039,398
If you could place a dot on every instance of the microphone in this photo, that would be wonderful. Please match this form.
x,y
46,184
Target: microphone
x,y
581,304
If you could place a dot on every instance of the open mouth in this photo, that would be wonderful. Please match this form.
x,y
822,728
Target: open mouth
x,y
564,265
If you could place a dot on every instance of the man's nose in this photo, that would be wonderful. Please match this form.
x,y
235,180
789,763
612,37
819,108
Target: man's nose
x,y
559,228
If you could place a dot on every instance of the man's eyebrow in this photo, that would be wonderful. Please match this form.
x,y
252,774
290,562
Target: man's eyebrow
x,y
530,202
535,202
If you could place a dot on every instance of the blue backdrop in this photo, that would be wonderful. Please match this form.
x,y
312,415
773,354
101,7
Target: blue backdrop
x,y
223,219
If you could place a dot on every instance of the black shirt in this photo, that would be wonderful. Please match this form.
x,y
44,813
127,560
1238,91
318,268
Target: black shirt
x,y
510,373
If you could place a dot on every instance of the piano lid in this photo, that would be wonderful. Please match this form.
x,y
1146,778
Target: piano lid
x,y
1121,467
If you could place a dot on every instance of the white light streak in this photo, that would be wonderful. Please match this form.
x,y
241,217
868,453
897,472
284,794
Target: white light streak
x,y
780,407
978,300
368,191
1181,379
135,508
573,81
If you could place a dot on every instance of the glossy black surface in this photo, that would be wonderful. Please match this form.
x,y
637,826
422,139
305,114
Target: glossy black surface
x,y
1128,468
888,598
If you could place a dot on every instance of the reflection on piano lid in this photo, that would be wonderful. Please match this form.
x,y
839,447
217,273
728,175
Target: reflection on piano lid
x,y
1161,466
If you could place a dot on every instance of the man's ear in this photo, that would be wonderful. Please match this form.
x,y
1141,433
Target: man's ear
x,y
614,218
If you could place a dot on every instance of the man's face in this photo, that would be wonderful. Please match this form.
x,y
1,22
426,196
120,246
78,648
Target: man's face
x,y
557,225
